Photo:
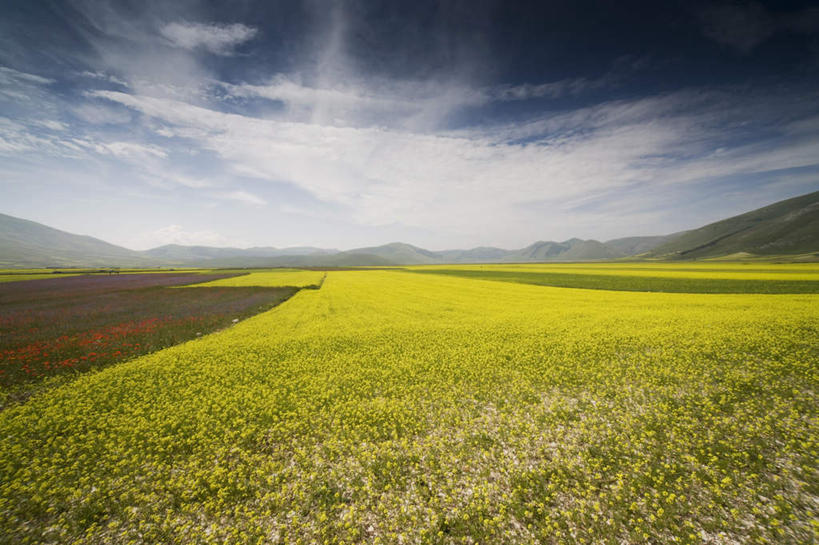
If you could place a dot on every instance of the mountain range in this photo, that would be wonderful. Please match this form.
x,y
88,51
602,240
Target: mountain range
x,y
785,228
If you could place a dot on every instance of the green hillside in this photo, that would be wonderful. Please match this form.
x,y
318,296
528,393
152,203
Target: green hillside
x,y
629,246
398,253
27,244
786,227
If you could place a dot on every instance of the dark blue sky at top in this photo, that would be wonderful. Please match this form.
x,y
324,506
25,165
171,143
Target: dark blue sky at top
x,y
745,73
645,47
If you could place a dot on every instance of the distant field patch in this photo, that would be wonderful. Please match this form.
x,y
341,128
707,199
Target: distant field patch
x,y
18,275
36,276
705,278
295,278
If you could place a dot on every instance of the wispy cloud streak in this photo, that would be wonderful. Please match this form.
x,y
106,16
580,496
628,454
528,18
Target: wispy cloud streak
x,y
215,38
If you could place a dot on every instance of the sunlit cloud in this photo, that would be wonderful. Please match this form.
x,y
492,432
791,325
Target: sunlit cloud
x,y
130,150
10,76
481,175
169,104
177,234
215,38
243,197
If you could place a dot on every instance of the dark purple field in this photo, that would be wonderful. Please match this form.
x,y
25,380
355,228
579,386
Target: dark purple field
x,y
73,286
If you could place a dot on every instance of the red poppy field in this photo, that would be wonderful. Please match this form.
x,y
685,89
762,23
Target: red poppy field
x,y
64,326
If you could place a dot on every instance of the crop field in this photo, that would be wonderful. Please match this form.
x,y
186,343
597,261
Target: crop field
x,y
756,271
673,278
294,278
30,276
52,329
18,275
395,407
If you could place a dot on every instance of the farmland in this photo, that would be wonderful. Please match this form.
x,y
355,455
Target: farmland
x,y
29,276
396,407
19,275
672,278
52,329
272,278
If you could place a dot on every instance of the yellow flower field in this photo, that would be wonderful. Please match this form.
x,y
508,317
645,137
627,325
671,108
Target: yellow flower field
x,y
394,407
732,271
34,276
699,277
295,278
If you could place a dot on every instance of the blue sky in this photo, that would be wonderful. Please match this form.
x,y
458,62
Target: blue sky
x,y
441,124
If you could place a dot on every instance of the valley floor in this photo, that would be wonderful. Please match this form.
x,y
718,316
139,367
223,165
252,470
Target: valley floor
x,y
390,406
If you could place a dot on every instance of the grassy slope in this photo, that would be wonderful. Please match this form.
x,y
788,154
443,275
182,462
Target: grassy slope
x,y
436,408
398,253
629,246
570,250
26,243
786,227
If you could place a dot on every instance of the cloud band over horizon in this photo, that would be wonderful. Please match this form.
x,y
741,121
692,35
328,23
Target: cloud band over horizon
x,y
270,135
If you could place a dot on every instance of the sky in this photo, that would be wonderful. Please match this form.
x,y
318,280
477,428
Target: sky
x,y
448,124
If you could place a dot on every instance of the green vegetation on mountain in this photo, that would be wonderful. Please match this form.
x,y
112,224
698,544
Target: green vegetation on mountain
x,y
786,227
28,244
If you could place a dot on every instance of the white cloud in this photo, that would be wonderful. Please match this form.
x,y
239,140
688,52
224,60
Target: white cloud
x,y
362,150
130,150
192,182
51,124
104,77
241,196
97,114
555,89
411,105
480,177
18,138
291,91
342,99
177,234
21,87
8,75
216,38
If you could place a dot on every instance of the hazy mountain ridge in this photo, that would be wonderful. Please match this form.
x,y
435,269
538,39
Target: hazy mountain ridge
x,y
28,244
640,245
786,227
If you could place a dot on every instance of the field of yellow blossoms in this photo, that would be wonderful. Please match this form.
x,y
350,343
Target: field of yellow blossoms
x,y
276,278
391,406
